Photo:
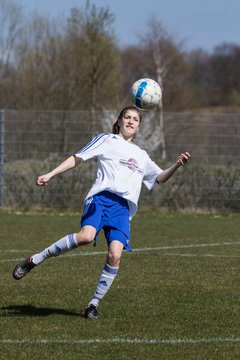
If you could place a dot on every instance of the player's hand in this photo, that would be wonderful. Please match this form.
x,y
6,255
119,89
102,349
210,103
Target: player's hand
x,y
183,158
42,180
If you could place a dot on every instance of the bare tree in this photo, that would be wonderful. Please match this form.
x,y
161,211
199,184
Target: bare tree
x,y
10,29
38,60
156,38
160,57
10,33
162,47
94,46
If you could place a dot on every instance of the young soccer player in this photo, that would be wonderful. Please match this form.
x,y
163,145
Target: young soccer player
x,y
112,200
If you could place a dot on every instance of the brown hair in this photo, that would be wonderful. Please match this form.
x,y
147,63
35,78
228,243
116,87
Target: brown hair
x,y
116,127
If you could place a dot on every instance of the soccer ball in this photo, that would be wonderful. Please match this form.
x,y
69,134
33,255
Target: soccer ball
x,y
146,93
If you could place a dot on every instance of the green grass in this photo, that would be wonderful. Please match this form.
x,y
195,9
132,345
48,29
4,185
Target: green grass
x,y
178,300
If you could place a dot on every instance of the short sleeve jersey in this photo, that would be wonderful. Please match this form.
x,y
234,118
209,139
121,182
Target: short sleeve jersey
x,y
122,167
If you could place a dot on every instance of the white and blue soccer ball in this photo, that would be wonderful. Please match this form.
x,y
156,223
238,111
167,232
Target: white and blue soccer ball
x,y
146,93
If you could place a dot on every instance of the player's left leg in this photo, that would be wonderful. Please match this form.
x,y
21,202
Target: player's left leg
x,y
91,215
106,278
67,243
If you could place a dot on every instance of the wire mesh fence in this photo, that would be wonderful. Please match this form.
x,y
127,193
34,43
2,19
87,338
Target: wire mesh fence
x,y
33,142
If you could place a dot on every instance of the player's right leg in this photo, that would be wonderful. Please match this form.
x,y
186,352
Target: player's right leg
x,y
106,278
68,242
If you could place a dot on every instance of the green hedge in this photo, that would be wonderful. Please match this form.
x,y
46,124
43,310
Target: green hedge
x,y
194,187
199,187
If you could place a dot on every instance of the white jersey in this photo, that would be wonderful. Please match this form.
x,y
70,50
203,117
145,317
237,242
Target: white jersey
x,y
122,168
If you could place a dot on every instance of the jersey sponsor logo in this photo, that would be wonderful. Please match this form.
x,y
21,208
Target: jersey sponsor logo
x,y
132,164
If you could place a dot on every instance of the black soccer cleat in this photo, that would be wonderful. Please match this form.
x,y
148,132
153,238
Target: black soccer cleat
x,y
91,312
23,268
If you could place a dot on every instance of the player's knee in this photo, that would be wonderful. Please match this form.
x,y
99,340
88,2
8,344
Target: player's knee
x,y
114,259
85,237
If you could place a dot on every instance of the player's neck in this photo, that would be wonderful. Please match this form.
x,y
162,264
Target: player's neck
x,y
127,138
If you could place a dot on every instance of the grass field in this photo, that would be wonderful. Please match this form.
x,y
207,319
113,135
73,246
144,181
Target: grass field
x,y
177,296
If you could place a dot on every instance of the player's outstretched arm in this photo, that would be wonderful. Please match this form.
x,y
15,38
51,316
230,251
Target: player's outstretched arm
x,y
166,174
66,165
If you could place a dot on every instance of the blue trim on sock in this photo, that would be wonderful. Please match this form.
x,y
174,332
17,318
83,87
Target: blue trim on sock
x,y
110,270
72,242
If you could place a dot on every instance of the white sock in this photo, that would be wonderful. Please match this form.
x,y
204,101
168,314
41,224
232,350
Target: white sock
x,y
104,283
65,244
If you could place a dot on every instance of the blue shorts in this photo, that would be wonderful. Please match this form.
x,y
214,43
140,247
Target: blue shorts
x,y
109,212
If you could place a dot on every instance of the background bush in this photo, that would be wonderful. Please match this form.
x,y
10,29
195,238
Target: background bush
x,y
195,187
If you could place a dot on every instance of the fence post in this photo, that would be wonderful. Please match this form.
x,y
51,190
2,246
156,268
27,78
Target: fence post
x,y
2,154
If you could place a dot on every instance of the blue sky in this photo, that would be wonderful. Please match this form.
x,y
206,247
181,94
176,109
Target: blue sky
x,y
202,23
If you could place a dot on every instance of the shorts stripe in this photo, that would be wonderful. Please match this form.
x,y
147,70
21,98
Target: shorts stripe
x,y
87,203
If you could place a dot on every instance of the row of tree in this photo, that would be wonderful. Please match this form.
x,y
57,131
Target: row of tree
x,y
76,63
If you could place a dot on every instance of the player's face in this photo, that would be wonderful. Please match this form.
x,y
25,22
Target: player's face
x,y
129,124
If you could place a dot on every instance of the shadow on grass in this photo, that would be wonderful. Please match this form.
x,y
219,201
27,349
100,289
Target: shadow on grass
x,y
30,310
